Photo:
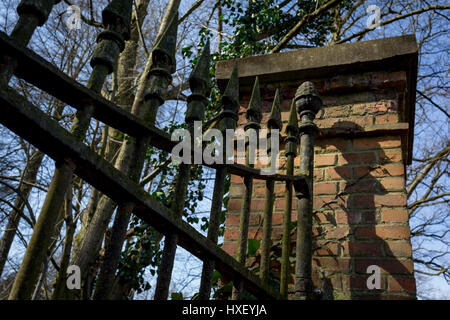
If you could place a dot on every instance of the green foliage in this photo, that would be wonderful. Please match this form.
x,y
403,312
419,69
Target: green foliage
x,y
257,27
221,292
141,251
176,296
253,246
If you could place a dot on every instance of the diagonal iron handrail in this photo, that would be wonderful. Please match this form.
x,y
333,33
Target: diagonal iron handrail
x,y
32,124
47,77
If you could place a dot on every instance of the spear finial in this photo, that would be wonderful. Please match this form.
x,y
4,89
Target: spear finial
x,y
231,95
254,113
292,131
199,78
200,88
166,44
292,126
230,102
274,121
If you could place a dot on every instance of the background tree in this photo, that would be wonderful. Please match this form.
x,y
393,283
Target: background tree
x,y
236,29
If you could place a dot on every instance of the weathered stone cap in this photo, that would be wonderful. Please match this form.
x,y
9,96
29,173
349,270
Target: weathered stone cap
x,y
389,54
396,53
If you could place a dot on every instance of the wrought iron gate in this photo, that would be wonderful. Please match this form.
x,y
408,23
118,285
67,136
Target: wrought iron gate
x,y
73,156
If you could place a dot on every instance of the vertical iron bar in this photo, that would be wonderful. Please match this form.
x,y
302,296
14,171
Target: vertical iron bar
x,y
308,104
32,13
157,75
274,123
197,101
266,240
254,116
214,223
111,42
291,153
228,118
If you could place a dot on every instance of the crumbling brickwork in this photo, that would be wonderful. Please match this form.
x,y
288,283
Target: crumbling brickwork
x,y
361,152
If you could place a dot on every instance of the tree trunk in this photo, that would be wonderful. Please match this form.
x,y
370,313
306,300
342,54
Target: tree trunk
x,y
28,178
130,162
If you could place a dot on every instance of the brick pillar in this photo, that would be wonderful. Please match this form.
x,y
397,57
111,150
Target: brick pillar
x,y
365,142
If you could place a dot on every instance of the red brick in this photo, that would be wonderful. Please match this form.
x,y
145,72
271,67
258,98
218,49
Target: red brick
x,y
234,205
377,107
336,112
329,202
390,200
356,158
324,248
231,233
371,201
362,121
359,186
337,232
325,188
318,175
391,184
230,248
360,283
277,232
382,231
366,202
257,205
255,218
394,215
402,284
236,189
232,220
392,266
259,190
323,217
332,264
236,179
277,218
323,160
386,118
359,109
339,173
394,155
335,144
372,249
255,232
387,170
389,79
350,217
328,123
279,203
347,123
376,143
399,249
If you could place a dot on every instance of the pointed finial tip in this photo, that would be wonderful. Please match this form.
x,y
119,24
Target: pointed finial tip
x,y
254,111
167,40
293,121
199,77
274,121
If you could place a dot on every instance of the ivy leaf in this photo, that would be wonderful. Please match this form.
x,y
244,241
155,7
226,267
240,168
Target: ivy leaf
x,y
176,296
216,277
253,246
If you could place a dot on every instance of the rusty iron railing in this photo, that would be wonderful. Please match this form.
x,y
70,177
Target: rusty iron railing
x,y
71,155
